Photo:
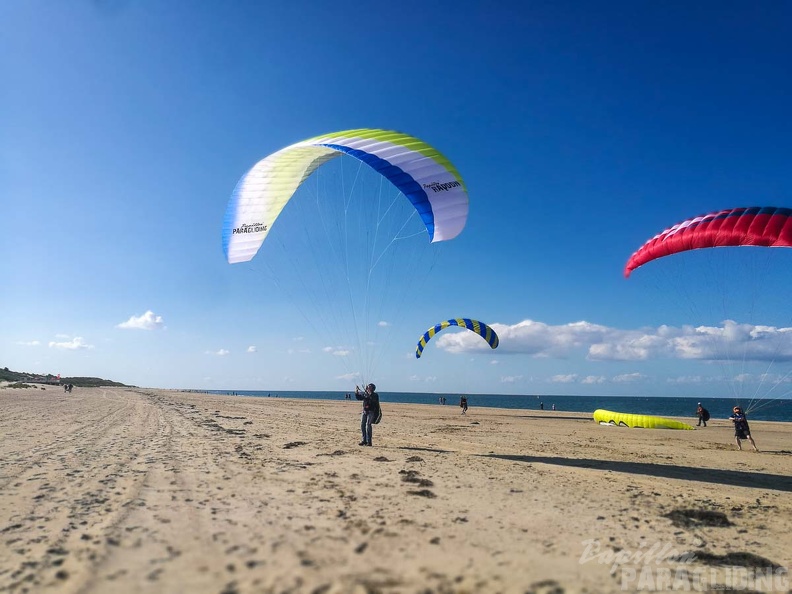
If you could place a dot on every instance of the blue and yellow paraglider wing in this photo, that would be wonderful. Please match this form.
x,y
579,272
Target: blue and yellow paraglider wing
x,y
479,328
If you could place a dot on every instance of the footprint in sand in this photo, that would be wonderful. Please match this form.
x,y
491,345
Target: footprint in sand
x,y
412,476
423,493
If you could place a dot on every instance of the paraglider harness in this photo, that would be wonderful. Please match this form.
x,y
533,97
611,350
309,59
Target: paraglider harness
x,y
370,403
741,429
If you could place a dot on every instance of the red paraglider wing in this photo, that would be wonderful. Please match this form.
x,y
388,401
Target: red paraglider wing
x,y
766,226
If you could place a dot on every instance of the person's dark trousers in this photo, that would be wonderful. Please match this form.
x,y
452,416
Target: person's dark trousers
x,y
365,426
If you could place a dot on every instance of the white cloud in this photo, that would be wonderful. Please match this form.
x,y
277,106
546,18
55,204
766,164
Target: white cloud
x,y
510,379
383,324
220,353
628,378
601,343
75,344
776,378
148,321
593,379
568,378
494,362
299,351
727,342
685,379
527,337
337,351
29,343
252,349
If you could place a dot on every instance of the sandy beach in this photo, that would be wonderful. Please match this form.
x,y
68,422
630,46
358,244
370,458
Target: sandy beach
x,y
142,490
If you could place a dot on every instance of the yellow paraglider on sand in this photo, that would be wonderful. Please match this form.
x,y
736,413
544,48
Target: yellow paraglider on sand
x,y
607,417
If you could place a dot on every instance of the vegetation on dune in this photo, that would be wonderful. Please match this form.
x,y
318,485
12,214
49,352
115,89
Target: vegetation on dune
x,y
91,382
20,377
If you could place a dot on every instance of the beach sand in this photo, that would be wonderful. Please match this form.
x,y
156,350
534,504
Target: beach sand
x,y
142,490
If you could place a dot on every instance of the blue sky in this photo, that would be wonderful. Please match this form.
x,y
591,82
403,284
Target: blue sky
x,y
581,130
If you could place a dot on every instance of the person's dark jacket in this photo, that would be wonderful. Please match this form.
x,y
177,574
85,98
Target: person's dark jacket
x,y
370,401
740,422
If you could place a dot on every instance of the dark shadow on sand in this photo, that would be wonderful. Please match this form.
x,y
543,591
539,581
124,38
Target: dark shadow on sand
x,y
737,478
436,450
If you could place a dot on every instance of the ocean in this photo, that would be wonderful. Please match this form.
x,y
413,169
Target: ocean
x,y
719,408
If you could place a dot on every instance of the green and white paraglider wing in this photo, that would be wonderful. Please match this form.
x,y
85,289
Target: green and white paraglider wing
x,y
420,172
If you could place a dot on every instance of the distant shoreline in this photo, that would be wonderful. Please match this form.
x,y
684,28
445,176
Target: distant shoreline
x,y
776,410
663,406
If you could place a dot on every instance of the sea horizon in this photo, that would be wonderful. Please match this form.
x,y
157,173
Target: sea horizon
x,y
779,409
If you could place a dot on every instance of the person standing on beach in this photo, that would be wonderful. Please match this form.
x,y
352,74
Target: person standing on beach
x,y
463,404
703,415
371,409
741,429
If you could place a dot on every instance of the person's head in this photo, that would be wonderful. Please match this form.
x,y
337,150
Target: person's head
x,y
371,387
737,409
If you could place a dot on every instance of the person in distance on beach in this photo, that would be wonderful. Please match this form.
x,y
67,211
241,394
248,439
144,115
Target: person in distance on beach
x,y
741,429
463,404
702,414
371,409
